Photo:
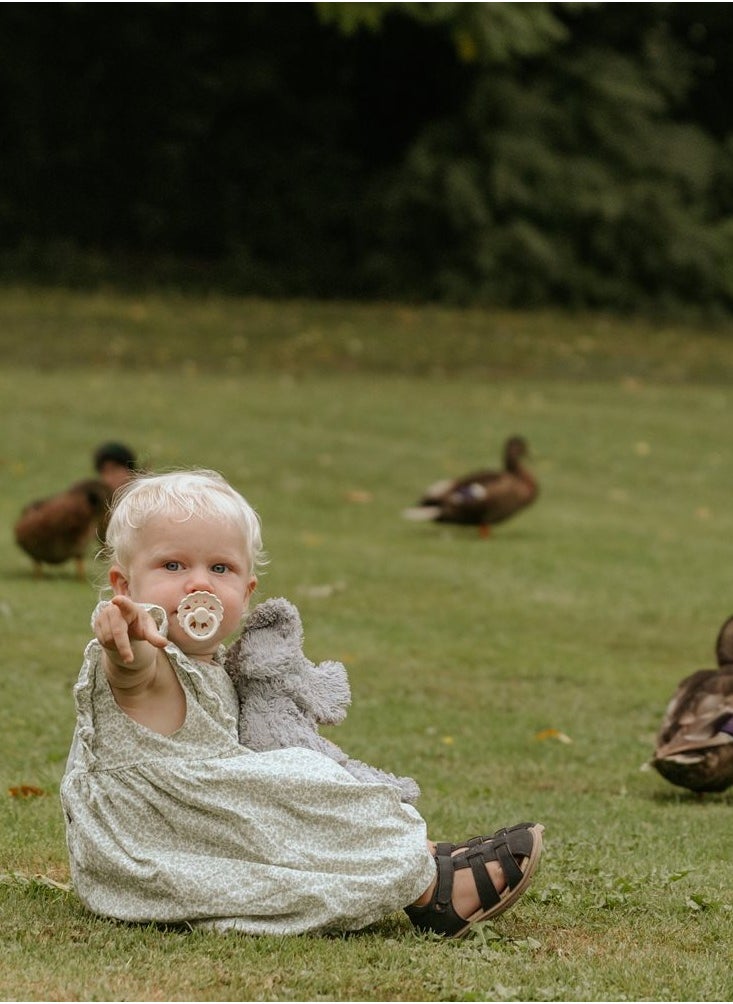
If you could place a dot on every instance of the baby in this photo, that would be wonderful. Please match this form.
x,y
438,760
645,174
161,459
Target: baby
x,y
170,819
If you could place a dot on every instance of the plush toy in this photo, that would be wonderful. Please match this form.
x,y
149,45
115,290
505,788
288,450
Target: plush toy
x,y
283,696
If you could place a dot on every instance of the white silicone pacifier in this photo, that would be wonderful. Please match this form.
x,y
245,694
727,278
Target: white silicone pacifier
x,y
200,614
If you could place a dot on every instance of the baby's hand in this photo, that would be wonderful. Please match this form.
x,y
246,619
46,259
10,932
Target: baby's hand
x,y
121,622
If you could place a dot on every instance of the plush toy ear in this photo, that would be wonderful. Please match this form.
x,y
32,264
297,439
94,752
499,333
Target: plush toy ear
x,y
278,614
261,616
270,645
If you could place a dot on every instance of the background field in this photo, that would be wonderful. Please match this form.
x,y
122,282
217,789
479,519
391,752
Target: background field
x,y
579,616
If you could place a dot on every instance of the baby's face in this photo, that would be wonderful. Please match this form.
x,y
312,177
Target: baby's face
x,y
173,559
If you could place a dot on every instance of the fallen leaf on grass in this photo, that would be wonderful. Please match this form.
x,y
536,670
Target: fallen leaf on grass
x,y
357,495
553,734
697,902
25,791
13,878
323,590
312,539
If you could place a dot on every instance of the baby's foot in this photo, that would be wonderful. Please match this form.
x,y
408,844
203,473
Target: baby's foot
x,y
478,879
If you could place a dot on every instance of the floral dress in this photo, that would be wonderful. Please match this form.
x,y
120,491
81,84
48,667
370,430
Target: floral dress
x,y
194,827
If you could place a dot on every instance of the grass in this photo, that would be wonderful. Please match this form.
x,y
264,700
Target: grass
x,y
579,616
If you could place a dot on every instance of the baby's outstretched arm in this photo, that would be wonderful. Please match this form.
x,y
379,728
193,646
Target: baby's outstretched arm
x,y
128,634
142,679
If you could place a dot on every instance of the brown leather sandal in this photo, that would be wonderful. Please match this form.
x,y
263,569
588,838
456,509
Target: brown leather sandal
x,y
447,848
517,850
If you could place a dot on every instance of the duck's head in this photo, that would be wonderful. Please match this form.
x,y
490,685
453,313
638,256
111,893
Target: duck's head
x,y
515,449
724,644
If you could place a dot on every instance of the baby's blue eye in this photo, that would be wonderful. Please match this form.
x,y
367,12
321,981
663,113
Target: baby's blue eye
x,y
219,568
172,566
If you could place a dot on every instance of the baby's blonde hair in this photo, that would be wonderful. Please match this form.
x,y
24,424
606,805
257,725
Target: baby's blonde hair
x,y
179,495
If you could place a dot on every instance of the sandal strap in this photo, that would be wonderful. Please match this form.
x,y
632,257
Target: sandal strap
x,y
504,846
444,888
445,848
487,894
490,836
505,855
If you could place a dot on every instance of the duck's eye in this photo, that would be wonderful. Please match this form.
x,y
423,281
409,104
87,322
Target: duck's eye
x,y
219,568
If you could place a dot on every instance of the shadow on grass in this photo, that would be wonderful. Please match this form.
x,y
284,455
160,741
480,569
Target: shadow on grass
x,y
683,797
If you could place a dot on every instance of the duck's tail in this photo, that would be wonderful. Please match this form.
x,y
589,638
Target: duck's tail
x,y
422,513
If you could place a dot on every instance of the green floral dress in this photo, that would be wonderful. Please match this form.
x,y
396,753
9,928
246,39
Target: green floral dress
x,y
194,827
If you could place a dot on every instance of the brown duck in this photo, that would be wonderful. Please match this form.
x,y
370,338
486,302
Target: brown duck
x,y
695,743
481,498
57,529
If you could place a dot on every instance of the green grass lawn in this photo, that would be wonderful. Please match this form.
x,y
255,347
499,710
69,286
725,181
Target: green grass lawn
x,y
579,616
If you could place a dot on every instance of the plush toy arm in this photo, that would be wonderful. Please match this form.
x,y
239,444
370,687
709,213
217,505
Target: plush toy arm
x,y
271,721
321,691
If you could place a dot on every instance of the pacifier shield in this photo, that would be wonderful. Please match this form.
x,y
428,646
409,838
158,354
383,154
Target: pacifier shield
x,y
200,614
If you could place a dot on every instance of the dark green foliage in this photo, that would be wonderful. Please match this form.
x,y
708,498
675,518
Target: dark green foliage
x,y
567,182
574,154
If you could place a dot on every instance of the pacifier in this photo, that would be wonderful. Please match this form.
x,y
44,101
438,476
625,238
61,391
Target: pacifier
x,y
200,614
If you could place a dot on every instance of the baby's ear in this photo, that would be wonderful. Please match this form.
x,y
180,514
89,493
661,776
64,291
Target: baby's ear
x,y
118,581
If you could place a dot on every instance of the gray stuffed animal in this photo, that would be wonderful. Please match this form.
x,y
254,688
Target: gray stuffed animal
x,y
283,696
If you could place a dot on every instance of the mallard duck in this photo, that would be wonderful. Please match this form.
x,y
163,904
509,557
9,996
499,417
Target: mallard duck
x,y
56,529
694,746
481,498
115,465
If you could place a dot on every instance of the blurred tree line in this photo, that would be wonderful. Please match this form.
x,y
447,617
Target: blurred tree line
x,y
577,154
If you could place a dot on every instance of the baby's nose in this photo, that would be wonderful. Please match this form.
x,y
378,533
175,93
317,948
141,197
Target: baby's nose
x,y
198,578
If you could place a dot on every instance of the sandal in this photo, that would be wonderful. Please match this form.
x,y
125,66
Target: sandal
x,y
446,848
505,846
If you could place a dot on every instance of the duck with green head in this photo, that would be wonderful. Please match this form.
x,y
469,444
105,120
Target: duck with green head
x,y
481,498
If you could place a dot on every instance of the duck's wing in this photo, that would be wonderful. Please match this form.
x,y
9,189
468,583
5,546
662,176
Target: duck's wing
x,y
701,707
457,500
493,496
701,770
430,504
460,500
435,493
